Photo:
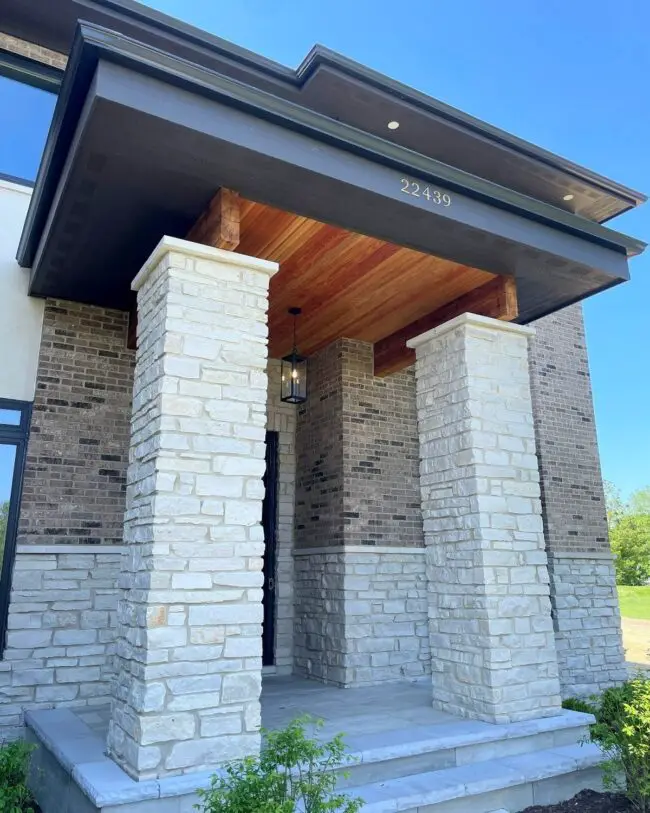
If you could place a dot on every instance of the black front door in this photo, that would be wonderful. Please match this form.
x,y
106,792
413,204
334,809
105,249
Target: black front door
x,y
269,522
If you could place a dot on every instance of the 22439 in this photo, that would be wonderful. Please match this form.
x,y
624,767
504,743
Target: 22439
x,y
418,190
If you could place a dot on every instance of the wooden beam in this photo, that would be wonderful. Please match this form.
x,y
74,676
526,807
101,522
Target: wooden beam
x,y
218,226
496,298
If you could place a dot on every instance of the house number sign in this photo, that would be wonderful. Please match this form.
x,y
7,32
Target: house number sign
x,y
419,190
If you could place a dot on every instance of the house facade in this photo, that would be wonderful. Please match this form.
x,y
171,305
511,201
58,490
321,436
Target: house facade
x,y
176,532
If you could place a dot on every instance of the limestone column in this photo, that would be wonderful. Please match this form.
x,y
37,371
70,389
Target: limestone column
x,y
492,643
189,645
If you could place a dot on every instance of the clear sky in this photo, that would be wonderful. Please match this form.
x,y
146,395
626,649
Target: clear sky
x,y
570,75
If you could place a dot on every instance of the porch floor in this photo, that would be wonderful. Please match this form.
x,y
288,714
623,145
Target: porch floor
x,y
369,710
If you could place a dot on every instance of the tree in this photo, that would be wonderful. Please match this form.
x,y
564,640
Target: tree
x,y
630,539
616,508
640,501
629,532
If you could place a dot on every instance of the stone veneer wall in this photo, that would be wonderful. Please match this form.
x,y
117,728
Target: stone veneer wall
x,y
583,590
75,473
61,630
357,495
375,604
281,418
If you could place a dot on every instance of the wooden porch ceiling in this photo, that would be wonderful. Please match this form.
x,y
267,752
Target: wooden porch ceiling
x,y
350,285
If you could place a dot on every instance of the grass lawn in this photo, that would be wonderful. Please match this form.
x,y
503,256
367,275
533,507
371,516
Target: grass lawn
x,y
635,602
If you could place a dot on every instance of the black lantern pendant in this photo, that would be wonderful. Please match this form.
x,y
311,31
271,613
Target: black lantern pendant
x,y
294,371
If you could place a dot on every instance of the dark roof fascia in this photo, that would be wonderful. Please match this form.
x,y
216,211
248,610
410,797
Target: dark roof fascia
x,y
30,71
69,105
147,16
93,42
319,55
144,16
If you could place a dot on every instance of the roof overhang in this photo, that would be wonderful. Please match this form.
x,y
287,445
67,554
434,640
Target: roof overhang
x,y
141,139
340,88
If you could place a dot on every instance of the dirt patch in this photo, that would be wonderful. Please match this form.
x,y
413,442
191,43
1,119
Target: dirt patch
x,y
588,801
636,640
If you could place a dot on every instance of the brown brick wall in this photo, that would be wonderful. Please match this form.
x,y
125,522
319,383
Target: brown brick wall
x,y
74,483
358,456
32,51
572,488
319,453
381,453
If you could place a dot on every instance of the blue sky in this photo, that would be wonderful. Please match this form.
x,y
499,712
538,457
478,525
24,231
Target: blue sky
x,y
571,76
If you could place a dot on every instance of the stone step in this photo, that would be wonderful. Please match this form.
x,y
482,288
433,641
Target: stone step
x,y
399,753
510,783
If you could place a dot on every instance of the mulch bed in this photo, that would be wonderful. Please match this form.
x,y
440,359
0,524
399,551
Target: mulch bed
x,y
587,801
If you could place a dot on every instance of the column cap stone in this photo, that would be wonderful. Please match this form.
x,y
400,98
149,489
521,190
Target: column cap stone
x,y
200,252
469,319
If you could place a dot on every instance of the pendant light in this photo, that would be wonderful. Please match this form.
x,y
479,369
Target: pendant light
x,y
294,370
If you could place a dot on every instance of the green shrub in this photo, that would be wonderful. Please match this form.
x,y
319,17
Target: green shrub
x,y
293,772
623,732
14,762
576,704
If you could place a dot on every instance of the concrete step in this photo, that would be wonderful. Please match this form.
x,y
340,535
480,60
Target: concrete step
x,y
399,753
509,783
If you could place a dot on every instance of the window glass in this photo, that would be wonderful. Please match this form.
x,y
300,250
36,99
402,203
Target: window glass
x,y
25,116
10,417
7,462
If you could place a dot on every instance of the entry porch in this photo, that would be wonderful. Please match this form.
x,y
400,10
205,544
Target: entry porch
x,y
403,755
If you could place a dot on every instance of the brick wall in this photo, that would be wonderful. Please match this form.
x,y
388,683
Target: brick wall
x,y
381,453
75,473
567,447
360,606
319,449
584,599
36,52
358,459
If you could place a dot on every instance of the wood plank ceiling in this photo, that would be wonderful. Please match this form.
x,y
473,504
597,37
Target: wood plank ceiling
x,y
347,284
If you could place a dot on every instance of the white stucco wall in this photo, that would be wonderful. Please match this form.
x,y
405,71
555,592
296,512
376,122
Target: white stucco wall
x,y
21,316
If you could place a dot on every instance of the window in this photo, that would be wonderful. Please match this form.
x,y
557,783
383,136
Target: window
x,y
25,116
14,429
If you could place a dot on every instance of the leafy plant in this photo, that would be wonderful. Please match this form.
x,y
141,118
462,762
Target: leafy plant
x,y
15,796
623,732
294,772
577,704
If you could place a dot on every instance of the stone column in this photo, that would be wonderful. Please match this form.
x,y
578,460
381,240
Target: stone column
x,y
492,643
189,646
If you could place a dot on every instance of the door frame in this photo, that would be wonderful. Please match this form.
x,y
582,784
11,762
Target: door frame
x,y
270,524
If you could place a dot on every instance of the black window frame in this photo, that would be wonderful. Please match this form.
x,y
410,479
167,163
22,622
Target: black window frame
x,y
18,437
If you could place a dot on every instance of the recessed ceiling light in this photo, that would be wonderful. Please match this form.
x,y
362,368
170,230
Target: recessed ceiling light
x,y
393,125
568,197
